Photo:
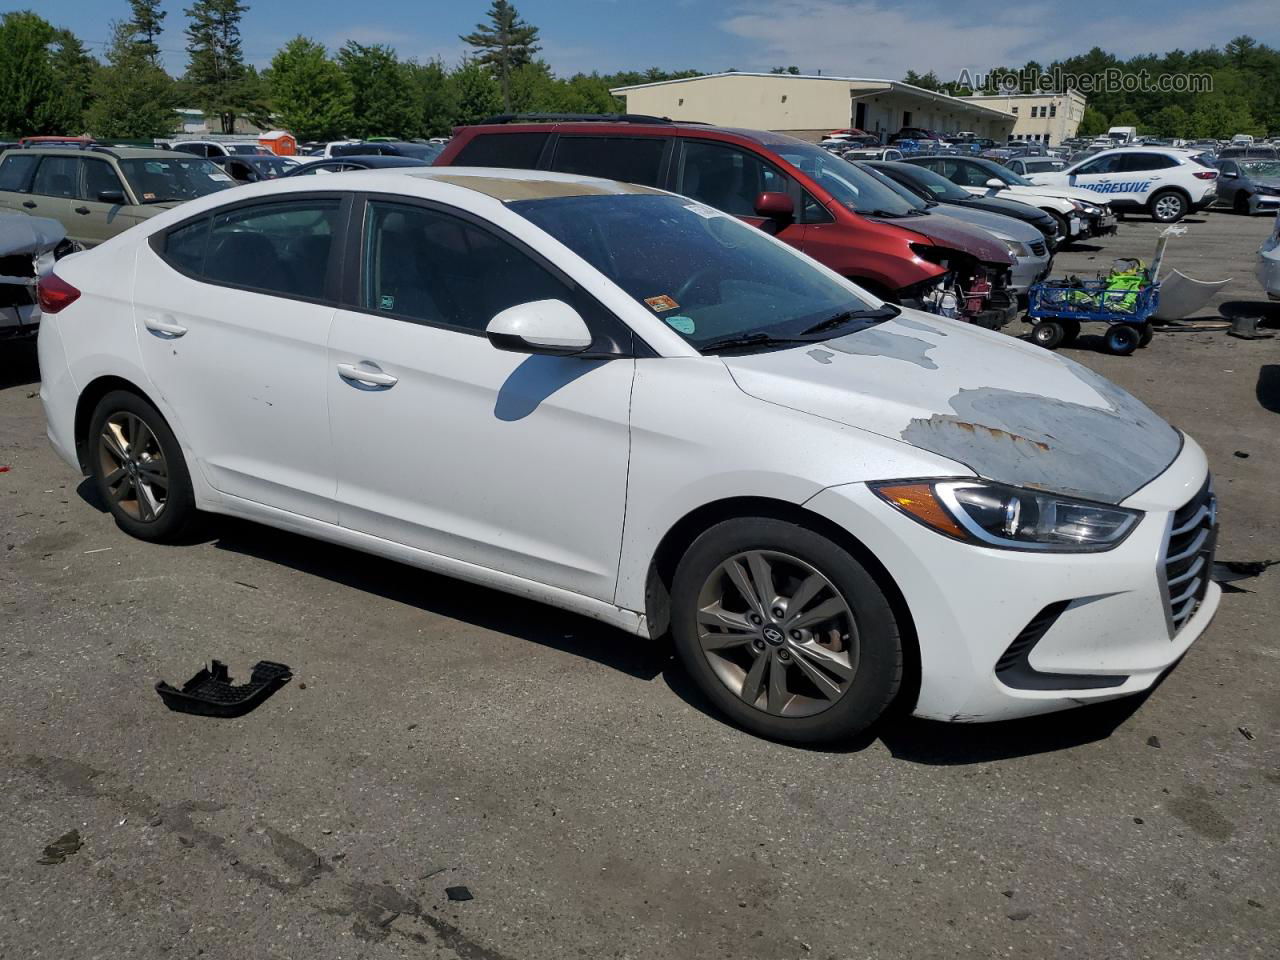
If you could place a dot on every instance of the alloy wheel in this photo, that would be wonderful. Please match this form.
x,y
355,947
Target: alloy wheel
x,y
1168,207
777,633
133,467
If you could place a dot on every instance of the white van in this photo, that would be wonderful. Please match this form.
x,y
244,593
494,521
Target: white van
x,y
1122,134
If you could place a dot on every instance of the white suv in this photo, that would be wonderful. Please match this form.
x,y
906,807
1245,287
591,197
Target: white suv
x,y
1164,182
628,404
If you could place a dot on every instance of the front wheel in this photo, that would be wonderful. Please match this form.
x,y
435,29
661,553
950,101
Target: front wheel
x,y
1168,206
1048,334
138,468
1123,339
785,631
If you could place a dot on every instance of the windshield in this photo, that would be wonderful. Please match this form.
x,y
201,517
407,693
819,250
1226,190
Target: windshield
x,y
273,166
163,180
857,189
705,274
420,151
245,148
935,186
1261,168
918,203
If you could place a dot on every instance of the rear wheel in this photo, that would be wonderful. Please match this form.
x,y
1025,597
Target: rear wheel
x,y
138,468
1048,334
1168,206
785,631
1145,333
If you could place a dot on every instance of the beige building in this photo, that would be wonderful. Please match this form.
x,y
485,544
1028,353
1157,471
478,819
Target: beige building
x,y
812,107
1040,117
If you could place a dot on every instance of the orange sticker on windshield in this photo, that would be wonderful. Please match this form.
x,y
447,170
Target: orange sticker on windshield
x,y
661,303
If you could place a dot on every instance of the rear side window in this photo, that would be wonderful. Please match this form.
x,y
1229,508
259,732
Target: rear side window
x,y
56,177
629,159
519,151
279,248
1135,162
16,170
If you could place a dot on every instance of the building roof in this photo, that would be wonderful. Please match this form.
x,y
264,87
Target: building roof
x,y
867,82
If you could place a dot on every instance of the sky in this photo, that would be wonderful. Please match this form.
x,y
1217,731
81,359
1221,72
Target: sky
x,y
863,38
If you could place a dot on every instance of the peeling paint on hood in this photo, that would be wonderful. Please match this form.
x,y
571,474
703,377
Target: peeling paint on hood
x,y
1008,411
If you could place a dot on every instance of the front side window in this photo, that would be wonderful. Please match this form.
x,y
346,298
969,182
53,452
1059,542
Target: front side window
x,y
173,179
16,170
1099,165
99,178
728,178
707,275
281,248
57,177
424,265
628,159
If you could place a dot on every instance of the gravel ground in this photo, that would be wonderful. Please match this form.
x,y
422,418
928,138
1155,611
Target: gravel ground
x,y
439,735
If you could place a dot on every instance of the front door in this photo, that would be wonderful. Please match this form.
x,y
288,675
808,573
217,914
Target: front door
x,y
442,442
233,315
94,218
730,178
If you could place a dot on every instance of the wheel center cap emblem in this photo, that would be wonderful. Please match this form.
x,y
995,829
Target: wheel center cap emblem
x,y
773,635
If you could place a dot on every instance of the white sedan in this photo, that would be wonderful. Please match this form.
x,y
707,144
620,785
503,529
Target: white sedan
x,y
632,406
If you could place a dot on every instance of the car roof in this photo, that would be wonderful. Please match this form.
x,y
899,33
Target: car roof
x,y
507,185
120,153
675,127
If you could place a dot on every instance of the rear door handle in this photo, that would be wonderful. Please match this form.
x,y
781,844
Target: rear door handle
x,y
164,328
83,210
29,204
366,376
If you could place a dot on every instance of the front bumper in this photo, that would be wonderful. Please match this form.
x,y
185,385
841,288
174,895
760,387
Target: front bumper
x,y
969,604
1264,203
1104,225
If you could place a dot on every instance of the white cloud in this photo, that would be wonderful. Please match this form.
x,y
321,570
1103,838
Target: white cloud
x,y
872,39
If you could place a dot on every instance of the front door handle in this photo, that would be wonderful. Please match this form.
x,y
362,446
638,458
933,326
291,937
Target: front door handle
x,y
83,210
164,328
29,204
366,376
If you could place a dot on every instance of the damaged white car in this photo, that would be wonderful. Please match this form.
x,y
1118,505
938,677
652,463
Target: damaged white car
x,y
28,247
627,404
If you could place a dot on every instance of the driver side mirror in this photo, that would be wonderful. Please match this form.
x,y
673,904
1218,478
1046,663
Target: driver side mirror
x,y
995,183
775,206
541,326
1228,175
111,196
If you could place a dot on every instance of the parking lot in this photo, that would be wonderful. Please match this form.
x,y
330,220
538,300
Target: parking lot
x,y
439,735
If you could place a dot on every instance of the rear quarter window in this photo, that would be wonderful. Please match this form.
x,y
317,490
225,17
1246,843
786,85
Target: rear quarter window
x,y
519,151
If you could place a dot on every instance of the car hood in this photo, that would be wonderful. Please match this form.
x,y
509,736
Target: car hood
x,y
994,223
947,232
1010,412
1053,190
1271,185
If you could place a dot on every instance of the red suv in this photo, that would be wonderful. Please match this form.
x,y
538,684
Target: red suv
x,y
825,206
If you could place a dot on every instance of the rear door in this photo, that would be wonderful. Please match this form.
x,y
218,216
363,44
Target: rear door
x,y
1140,175
53,189
729,178
16,172
233,311
96,219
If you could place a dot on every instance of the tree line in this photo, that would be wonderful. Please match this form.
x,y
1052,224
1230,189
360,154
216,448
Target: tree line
x,y
50,83
1245,95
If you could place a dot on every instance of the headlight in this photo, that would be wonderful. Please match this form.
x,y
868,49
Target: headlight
x,y
1016,249
1014,518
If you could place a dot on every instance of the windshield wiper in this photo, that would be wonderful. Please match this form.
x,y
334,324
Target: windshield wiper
x,y
880,213
748,341
840,319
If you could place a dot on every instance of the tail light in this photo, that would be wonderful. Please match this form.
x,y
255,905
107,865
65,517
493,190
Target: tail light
x,y
55,293
1205,174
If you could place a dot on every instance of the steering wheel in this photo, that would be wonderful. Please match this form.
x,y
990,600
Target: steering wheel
x,y
694,279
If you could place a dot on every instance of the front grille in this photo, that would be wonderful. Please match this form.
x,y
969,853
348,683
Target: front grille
x,y
1038,248
1188,556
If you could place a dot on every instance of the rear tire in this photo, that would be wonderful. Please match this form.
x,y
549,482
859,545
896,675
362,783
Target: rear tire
x,y
1145,333
137,465
1122,339
818,660
1168,206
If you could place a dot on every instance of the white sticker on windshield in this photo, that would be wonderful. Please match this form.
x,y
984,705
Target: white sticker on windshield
x,y
708,213
219,176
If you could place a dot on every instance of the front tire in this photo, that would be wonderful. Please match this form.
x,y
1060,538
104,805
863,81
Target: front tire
x,y
1123,339
785,631
1168,206
138,468
1048,334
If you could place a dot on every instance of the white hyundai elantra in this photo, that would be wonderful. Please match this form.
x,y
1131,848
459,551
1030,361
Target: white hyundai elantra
x,y
629,405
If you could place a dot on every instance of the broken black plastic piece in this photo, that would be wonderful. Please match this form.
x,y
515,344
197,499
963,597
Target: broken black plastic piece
x,y
459,894
210,693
